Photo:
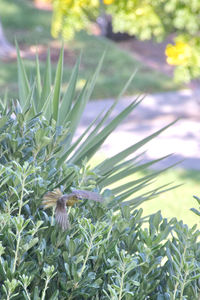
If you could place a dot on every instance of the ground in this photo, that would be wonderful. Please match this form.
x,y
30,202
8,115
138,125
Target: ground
x,y
151,53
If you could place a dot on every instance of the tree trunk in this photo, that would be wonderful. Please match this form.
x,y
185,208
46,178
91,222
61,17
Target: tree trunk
x,y
6,49
105,24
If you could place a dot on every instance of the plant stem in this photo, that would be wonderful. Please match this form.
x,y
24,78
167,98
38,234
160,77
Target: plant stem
x,y
86,257
183,285
185,276
27,293
19,232
16,251
22,196
177,282
83,266
175,290
121,284
45,288
8,296
109,232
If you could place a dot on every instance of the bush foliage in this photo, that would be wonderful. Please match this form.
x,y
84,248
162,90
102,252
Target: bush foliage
x,y
110,251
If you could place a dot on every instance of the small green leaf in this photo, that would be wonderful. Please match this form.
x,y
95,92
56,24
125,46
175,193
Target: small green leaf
x,y
194,210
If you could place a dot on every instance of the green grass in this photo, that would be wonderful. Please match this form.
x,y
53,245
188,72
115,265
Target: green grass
x,y
31,26
177,202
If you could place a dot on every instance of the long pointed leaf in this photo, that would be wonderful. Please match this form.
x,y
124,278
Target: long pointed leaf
x,y
47,106
67,181
102,167
85,98
126,172
47,82
95,76
90,148
38,81
120,166
133,190
23,83
57,85
76,143
129,184
94,133
135,202
107,114
68,97
76,113
29,100
127,84
149,177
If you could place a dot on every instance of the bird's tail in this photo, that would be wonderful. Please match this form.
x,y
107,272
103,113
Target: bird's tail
x,y
50,198
61,217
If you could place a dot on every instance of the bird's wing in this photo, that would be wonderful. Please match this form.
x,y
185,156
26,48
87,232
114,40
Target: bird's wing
x,y
50,198
83,194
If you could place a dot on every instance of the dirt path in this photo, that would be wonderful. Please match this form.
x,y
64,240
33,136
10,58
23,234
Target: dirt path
x,y
153,55
150,53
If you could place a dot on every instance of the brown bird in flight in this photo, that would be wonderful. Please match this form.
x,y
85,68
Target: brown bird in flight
x,y
56,198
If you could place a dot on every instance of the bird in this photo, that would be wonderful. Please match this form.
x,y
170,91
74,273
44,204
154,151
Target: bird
x,y
61,201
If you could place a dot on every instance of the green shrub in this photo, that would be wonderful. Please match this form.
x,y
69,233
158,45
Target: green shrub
x,y
110,250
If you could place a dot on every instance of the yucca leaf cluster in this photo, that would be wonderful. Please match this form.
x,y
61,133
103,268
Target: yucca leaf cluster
x,y
110,251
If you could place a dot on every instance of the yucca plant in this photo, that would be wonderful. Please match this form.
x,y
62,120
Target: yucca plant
x,y
107,253
64,111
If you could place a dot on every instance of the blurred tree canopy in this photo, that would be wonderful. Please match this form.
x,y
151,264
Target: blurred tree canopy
x,y
145,19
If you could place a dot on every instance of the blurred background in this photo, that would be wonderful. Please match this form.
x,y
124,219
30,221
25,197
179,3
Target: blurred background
x,y
160,41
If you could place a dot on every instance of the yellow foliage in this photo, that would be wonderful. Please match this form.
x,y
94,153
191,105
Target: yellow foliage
x,y
108,2
178,54
70,16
